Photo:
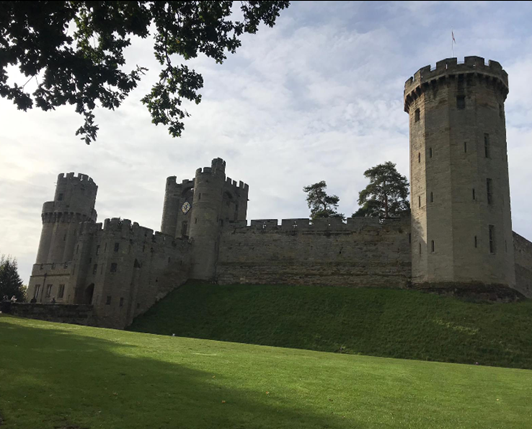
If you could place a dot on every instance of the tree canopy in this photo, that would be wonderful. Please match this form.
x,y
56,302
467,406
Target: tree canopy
x,y
320,204
10,282
386,196
75,51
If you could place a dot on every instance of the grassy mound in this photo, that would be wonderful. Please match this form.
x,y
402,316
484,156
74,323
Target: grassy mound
x,y
65,376
378,322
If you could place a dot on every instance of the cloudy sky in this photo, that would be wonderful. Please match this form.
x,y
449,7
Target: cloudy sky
x,y
317,97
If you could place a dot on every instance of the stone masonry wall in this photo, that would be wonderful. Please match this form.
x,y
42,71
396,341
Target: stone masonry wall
x,y
75,314
523,265
361,253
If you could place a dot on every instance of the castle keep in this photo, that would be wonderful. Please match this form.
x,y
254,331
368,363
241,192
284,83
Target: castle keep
x,y
459,232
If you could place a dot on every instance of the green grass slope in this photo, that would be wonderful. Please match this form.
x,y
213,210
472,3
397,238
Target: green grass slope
x,y
57,376
379,322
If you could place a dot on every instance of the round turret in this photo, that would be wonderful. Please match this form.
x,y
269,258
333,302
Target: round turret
x,y
460,195
73,203
205,218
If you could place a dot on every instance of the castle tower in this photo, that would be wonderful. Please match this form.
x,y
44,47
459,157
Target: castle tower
x,y
460,193
73,203
205,218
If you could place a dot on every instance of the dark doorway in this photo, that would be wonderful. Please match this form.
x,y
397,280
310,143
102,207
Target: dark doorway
x,y
87,297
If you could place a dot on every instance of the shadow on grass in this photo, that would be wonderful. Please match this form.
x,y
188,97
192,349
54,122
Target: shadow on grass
x,y
57,378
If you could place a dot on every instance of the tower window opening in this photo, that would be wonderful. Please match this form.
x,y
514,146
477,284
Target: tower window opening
x,y
48,291
476,242
430,152
121,302
465,147
195,220
492,238
117,246
474,196
487,145
420,248
61,292
460,102
60,197
108,301
489,191
419,200
501,111
97,249
409,238
95,269
416,116
64,237
431,197
432,246
113,267
37,289
419,157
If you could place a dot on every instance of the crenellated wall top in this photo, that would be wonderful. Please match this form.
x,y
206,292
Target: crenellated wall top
x,y
451,67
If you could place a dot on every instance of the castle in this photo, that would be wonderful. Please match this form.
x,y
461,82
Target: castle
x,y
459,231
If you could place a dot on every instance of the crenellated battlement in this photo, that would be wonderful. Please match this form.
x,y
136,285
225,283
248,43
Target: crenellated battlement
x,y
236,185
318,225
132,230
79,177
172,183
450,67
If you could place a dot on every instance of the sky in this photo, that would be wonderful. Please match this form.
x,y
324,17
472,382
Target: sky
x,y
317,97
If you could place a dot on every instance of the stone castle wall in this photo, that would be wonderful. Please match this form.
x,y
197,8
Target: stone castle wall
x,y
523,265
361,253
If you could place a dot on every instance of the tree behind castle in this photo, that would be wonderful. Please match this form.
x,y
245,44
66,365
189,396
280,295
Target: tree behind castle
x,y
320,204
386,195
10,282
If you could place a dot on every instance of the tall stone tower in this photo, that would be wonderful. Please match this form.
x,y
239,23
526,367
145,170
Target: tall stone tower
x,y
460,193
73,203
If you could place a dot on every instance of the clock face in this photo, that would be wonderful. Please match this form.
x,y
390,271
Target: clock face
x,y
185,207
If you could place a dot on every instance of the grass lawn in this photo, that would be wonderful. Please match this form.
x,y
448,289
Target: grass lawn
x,y
379,322
66,376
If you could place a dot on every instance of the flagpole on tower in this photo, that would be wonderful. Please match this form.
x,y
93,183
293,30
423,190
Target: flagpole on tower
x,y
453,41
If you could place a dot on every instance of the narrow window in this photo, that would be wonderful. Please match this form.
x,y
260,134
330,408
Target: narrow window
x,y
489,191
64,237
77,248
419,157
121,302
117,246
108,301
97,249
48,291
474,196
184,227
416,115
60,198
476,242
37,289
431,197
195,220
419,200
113,267
95,269
432,246
61,292
465,147
420,248
501,111
487,145
409,238
430,152
460,102
492,238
